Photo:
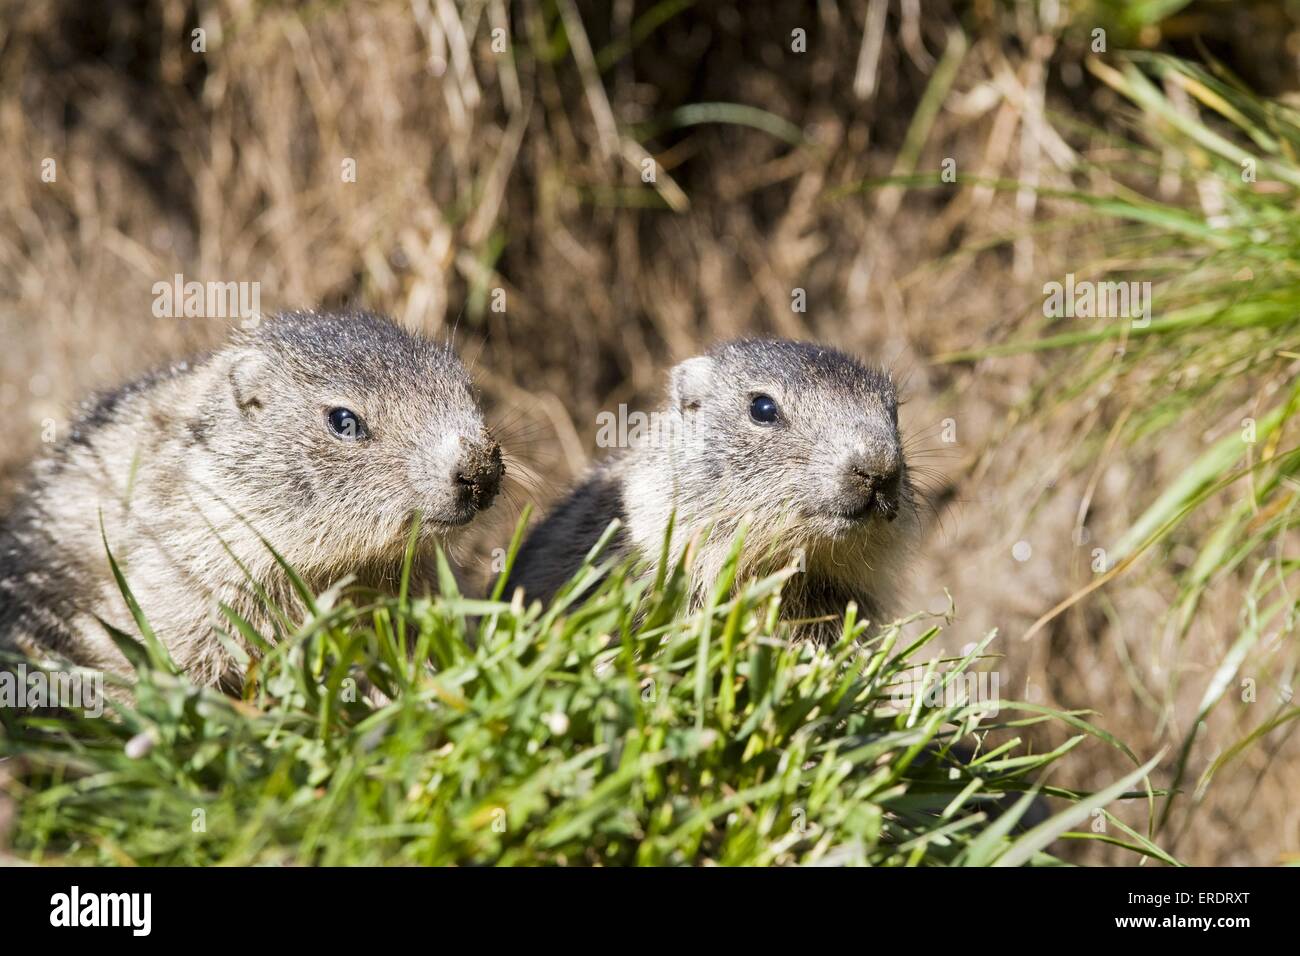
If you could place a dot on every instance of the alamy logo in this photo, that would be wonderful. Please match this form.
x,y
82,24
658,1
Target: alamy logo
x,y
938,689
179,299
83,690
134,910
1085,299
637,429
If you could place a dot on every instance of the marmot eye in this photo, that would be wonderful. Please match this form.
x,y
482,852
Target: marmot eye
x,y
763,409
346,424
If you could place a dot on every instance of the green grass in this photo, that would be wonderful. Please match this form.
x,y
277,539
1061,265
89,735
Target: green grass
x,y
1222,354
1218,366
625,728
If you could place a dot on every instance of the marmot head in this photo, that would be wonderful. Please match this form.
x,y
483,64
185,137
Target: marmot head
x,y
346,427
800,440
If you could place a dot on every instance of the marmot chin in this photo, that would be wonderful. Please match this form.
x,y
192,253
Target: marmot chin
x,y
323,433
798,439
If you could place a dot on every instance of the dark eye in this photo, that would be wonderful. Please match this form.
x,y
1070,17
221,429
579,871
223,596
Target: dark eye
x,y
763,409
346,424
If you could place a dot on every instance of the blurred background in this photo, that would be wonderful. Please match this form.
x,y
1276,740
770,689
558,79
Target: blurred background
x,y
910,173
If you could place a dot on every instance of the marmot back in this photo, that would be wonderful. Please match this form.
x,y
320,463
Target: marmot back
x,y
799,440
323,433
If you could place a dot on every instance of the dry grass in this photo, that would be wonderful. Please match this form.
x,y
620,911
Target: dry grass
x,y
521,171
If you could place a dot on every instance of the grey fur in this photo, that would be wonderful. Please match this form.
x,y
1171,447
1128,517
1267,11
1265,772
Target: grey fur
x,y
188,465
794,482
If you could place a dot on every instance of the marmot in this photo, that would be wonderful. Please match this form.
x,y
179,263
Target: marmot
x,y
800,440
324,434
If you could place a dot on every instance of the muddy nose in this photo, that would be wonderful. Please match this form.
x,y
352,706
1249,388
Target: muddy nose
x,y
879,490
874,479
478,473
871,479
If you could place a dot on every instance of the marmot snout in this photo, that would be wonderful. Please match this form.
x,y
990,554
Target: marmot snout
x,y
798,441
323,434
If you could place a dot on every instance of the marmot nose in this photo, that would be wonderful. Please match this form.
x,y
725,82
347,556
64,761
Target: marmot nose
x,y
876,482
478,473
874,479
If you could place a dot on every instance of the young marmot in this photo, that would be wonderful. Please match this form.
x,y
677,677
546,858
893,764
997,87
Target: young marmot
x,y
324,434
798,439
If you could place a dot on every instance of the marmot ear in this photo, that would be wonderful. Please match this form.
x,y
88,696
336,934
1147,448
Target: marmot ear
x,y
246,384
689,383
